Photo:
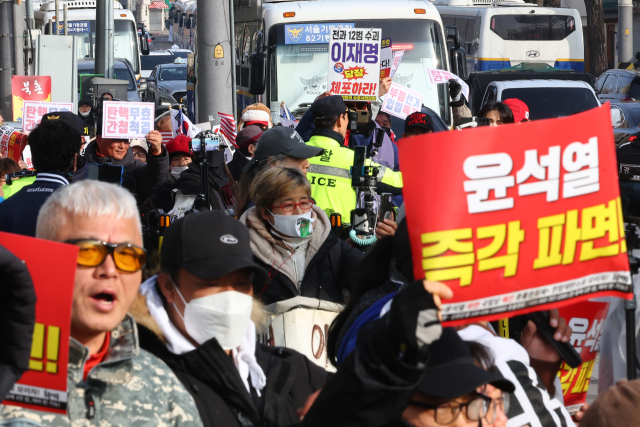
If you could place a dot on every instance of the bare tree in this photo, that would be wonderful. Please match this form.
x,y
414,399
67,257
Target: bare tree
x,y
596,42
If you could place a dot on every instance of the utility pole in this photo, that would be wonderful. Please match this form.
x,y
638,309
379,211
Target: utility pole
x,y
18,40
6,58
625,31
30,14
104,38
214,83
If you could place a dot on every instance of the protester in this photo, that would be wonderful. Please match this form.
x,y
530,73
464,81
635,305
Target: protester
x,y
110,380
54,143
247,142
385,121
616,407
278,146
179,159
163,122
497,112
85,111
7,167
291,238
329,174
519,109
138,177
196,316
107,96
17,317
256,114
140,149
416,124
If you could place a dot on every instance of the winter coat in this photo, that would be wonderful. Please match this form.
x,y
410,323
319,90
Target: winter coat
x,y
130,387
17,316
328,260
209,374
140,178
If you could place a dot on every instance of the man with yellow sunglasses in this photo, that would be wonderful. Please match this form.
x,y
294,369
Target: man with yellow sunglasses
x,y
110,380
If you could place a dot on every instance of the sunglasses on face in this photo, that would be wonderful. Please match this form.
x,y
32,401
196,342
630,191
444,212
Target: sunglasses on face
x,y
128,258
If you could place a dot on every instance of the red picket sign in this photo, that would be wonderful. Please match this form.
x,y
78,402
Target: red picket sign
x,y
517,218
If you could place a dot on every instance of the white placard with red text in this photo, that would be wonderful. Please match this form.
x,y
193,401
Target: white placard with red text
x,y
442,76
401,101
34,110
127,120
397,58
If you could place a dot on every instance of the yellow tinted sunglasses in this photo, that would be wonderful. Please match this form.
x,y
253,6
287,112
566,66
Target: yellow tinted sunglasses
x,y
127,257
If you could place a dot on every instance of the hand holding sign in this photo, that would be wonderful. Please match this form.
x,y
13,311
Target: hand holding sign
x,y
127,120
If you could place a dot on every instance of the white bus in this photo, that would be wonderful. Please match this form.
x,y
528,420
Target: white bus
x,y
82,24
503,34
298,54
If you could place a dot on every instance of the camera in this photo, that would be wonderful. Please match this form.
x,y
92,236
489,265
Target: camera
x,y
472,122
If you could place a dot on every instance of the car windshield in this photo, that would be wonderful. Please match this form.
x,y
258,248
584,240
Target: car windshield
x,y
552,102
420,39
149,62
181,54
173,73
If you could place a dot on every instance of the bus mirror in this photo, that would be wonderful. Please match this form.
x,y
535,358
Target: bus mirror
x,y
454,35
259,42
144,43
257,69
458,58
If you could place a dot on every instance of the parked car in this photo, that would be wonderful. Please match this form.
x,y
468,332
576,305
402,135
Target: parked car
x,y
545,98
180,53
623,85
122,71
625,119
149,37
155,57
167,84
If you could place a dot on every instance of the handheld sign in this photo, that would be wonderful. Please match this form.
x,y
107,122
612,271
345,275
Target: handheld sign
x,y
52,267
386,58
528,216
354,63
28,88
442,76
401,101
127,120
34,110
397,58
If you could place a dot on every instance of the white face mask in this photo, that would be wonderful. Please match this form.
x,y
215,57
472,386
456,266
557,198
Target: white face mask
x,y
224,316
176,171
293,225
85,114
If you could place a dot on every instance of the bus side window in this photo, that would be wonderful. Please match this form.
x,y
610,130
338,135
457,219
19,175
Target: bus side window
x,y
239,31
475,43
461,23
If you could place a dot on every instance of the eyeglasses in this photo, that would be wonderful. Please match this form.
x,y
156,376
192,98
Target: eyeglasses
x,y
447,413
501,403
127,257
290,207
139,155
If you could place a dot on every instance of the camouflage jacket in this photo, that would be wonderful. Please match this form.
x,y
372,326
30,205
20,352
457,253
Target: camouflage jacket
x,y
130,387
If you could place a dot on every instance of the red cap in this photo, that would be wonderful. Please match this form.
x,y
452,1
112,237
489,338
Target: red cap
x,y
257,122
179,144
519,109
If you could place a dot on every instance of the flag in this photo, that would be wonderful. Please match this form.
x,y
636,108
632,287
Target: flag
x,y
181,125
286,118
228,127
167,136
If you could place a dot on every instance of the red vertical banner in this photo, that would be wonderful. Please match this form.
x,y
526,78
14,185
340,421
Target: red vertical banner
x,y
586,319
28,88
52,267
517,218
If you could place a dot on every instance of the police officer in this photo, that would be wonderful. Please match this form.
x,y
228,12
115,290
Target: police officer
x,y
329,173
54,146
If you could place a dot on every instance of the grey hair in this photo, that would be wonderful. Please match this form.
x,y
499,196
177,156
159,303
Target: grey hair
x,y
85,198
279,160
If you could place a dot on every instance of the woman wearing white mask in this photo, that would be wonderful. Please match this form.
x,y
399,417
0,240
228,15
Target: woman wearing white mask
x,y
291,238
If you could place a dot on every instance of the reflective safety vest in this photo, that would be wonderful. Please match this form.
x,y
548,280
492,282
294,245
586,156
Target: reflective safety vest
x,y
330,177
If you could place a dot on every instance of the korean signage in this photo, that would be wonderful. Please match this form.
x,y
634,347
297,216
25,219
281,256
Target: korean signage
x,y
33,112
75,27
354,63
397,58
386,58
586,319
530,215
442,77
401,101
44,385
28,88
127,120
310,33
12,143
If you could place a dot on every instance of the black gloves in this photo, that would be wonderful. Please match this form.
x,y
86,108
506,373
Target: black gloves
x,y
455,92
413,320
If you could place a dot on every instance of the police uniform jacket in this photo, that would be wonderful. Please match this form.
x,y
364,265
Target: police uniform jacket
x,y
19,213
330,177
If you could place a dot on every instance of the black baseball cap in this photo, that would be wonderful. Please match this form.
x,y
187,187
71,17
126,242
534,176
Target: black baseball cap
x,y
451,371
328,107
84,102
418,119
208,245
68,118
284,140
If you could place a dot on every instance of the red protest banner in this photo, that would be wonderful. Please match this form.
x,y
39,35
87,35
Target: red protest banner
x,y
52,267
12,143
28,88
586,319
517,218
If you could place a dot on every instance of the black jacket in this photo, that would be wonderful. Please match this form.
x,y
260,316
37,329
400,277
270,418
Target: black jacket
x,y
89,124
17,317
140,178
19,213
220,395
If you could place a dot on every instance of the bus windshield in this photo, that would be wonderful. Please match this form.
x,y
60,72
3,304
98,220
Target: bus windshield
x,y
533,27
298,72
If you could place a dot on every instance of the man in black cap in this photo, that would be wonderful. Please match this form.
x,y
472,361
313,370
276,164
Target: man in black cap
x,y
247,142
196,315
282,146
86,114
329,173
417,124
54,143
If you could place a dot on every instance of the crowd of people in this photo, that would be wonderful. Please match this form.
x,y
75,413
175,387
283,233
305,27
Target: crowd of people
x,y
166,335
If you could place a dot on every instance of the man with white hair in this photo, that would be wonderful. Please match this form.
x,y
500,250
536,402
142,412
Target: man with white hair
x,y
110,380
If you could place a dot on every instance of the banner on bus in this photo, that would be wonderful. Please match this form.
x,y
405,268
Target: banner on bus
x,y
34,110
310,33
517,218
586,319
127,120
354,63
44,386
28,88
